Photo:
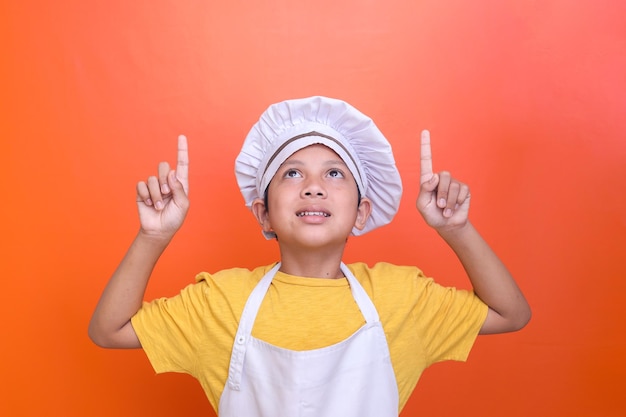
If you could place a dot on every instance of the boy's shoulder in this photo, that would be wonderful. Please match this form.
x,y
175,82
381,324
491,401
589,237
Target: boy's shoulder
x,y
384,269
387,278
237,274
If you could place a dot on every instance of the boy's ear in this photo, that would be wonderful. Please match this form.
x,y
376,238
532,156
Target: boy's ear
x,y
260,213
363,213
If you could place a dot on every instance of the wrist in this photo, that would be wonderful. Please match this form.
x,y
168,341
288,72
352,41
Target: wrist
x,y
154,239
457,232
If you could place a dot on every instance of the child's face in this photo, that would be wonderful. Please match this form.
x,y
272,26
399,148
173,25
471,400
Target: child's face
x,y
313,200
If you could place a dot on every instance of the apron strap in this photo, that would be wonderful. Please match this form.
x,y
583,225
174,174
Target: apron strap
x,y
360,296
248,316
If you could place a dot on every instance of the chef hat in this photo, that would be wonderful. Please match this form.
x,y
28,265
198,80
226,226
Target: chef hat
x,y
286,127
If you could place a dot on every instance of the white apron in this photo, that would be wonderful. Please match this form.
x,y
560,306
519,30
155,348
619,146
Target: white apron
x,y
353,378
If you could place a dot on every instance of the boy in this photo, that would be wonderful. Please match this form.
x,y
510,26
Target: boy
x,y
310,335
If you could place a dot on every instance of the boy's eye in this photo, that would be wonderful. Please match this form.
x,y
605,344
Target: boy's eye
x,y
335,173
292,173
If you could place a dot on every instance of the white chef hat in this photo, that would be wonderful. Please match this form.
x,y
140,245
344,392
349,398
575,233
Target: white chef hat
x,y
286,127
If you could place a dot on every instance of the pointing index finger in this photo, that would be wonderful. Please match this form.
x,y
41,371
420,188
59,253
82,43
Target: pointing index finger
x,y
426,159
182,166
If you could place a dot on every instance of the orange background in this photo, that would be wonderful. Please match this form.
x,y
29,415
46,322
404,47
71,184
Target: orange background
x,y
526,102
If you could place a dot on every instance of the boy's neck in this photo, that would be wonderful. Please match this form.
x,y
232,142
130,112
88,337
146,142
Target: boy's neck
x,y
312,264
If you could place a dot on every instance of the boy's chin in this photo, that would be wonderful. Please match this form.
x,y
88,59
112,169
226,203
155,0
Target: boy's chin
x,y
315,240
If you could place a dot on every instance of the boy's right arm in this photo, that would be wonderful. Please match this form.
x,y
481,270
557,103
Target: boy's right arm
x,y
162,203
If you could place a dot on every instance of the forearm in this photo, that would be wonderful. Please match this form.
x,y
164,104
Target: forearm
x,y
123,295
491,280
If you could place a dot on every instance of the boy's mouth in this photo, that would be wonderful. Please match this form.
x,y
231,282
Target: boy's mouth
x,y
312,213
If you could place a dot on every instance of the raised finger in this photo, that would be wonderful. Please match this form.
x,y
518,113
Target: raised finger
x,y
426,160
182,165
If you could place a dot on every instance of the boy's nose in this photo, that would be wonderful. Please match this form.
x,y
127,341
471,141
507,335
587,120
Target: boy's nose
x,y
313,189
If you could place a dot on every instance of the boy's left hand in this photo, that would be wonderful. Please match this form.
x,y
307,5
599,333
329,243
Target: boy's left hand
x,y
443,201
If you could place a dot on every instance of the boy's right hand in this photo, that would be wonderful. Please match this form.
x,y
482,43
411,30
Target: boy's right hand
x,y
162,200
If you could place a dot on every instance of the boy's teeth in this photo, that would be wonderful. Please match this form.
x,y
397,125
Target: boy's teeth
x,y
312,213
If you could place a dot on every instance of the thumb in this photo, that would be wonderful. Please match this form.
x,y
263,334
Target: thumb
x,y
425,196
430,185
178,190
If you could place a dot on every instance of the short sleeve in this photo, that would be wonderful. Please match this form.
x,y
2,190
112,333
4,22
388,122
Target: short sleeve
x,y
450,320
166,328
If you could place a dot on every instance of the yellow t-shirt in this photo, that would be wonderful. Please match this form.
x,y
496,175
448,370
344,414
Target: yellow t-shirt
x,y
424,322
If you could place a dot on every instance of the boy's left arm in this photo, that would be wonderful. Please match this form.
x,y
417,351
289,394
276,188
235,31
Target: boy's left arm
x,y
444,203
